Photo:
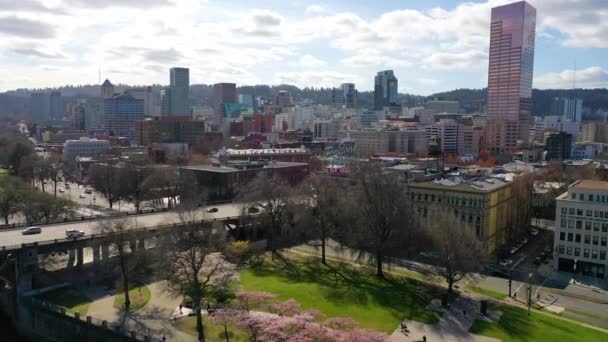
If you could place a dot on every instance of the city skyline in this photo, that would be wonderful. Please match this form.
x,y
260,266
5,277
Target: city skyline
x,y
431,45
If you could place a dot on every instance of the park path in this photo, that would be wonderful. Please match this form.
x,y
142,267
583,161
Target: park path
x,y
453,327
153,319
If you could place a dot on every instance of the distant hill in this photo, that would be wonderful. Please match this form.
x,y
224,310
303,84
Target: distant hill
x,y
593,99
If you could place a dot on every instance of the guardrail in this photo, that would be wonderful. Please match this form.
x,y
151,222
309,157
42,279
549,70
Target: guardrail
x,y
83,218
101,236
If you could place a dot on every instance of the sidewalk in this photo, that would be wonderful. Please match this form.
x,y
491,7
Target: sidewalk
x,y
453,327
153,319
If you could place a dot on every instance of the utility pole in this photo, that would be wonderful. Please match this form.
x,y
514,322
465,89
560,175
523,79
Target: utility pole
x,y
510,281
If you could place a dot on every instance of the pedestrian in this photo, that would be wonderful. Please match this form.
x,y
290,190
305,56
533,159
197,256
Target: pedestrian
x,y
180,309
424,338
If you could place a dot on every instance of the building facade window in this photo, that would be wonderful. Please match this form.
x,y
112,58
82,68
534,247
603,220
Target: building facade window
x,y
577,238
562,236
577,251
594,254
596,240
570,236
587,225
587,239
568,250
604,241
585,253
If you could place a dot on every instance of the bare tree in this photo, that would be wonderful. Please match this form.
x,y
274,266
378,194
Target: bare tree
x,y
42,169
270,195
384,221
193,263
55,166
123,242
12,192
459,251
321,214
132,178
106,180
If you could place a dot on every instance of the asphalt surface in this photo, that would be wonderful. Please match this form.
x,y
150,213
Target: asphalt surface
x,y
14,237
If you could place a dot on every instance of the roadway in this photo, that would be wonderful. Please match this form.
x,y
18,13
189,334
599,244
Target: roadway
x,y
14,236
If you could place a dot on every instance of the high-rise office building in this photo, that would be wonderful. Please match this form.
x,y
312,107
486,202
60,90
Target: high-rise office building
x,y
107,89
121,113
385,89
283,99
56,106
345,96
510,71
223,93
570,109
46,106
143,93
175,100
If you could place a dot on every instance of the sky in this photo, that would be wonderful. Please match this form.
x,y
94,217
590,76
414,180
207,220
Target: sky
x,y
432,45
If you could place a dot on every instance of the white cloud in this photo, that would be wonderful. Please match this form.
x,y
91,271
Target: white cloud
x,y
457,60
221,41
315,9
592,77
310,61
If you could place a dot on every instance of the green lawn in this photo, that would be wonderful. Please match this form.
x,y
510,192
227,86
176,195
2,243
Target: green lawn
x,y
489,293
345,291
70,299
213,332
515,325
139,297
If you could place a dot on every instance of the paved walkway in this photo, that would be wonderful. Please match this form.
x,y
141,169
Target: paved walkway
x,y
453,327
153,319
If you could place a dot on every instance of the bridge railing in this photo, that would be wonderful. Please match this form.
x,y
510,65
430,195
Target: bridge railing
x,y
81,218
105,235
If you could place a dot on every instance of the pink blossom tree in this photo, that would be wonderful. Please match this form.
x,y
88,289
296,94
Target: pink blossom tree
x,y
287,308
248,300
340,323
226,316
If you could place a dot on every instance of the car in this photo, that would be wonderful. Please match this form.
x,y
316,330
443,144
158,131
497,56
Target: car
x,y
513,250
524,241
534,231
82,196
88,191
538,260
548,249
253,210
506,263
73,233
31,230
61,190
212,210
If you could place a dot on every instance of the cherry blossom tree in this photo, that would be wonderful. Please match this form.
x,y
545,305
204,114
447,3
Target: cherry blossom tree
x,y
287,308
248,300
226,316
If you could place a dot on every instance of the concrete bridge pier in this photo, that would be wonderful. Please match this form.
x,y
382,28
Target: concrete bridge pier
x,y
105,252
79,257
71,257
133,246
96,251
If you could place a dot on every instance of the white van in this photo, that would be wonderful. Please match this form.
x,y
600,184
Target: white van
x,y
73,233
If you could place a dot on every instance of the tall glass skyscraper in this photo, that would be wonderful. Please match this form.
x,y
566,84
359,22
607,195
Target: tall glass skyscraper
x,y
385,89
175,99
510,75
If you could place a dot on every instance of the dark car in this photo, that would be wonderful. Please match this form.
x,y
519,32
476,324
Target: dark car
x,y
212,210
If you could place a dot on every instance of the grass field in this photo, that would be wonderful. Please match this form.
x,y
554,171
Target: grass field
x,y
488,293
516,326
139,297
213,332
70,299
345,291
